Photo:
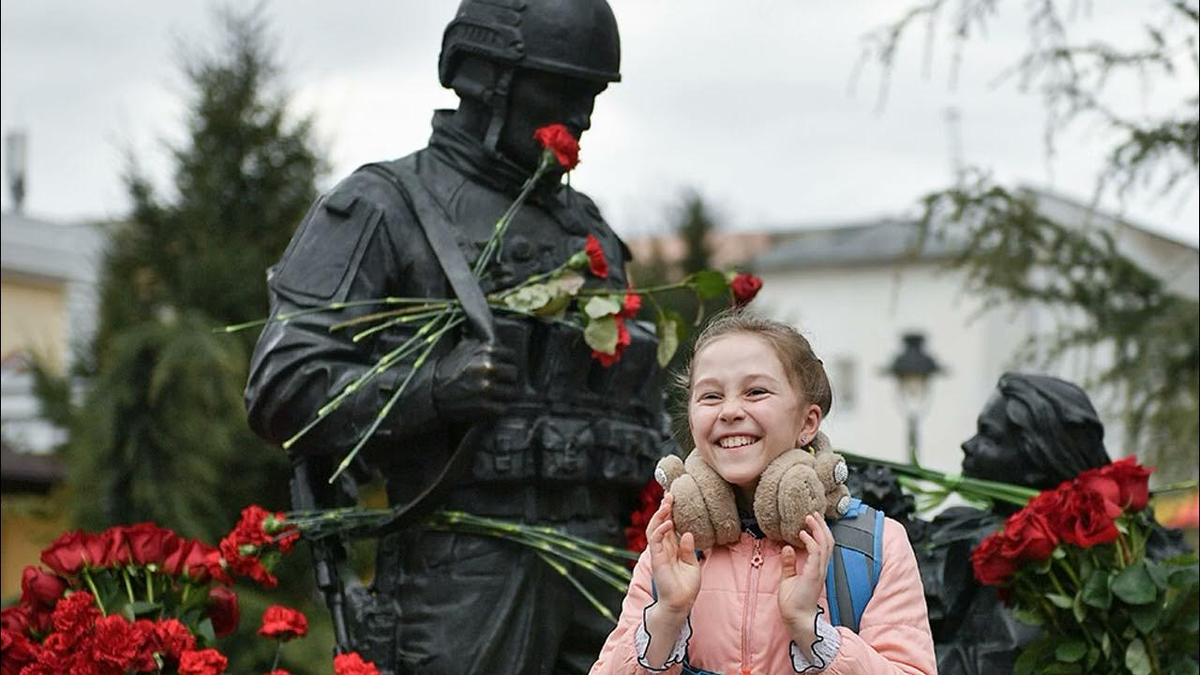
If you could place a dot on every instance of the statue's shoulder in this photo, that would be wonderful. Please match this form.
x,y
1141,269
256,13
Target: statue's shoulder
x,y
375,186
596,223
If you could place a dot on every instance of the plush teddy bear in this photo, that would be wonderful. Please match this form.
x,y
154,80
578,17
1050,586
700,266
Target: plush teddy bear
x,y
798,482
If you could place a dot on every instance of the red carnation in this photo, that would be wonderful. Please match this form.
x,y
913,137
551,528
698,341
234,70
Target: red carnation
x,y
40,588
744,287
623,340
648,502
202,662
15,618
223,610
597,263
75,614
557,139
283,623
115,642
631,306
174,638
16,651
279,671
352,664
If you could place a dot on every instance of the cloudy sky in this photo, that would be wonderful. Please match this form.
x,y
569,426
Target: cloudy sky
x,y
754,104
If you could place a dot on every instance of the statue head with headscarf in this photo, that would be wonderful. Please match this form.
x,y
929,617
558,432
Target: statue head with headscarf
x,y
1037,431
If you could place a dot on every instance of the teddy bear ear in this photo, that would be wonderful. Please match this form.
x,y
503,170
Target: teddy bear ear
x,y
837,502
766,495
669,468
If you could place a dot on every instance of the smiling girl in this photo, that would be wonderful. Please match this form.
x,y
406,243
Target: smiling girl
x,y
755,391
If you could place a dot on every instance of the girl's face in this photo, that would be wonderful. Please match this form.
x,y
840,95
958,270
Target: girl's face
x,y
743,410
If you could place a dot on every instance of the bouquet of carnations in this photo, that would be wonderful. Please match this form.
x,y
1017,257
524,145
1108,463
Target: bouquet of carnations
x,y
1074,561
142,599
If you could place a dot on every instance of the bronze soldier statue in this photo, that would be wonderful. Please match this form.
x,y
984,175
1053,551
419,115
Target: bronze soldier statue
x,y
548,434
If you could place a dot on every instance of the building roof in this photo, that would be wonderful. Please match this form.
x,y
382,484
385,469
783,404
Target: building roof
x,y
854,243
27,472
49,250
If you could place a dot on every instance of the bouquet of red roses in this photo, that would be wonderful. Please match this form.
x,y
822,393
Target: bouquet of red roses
x,y
142,599
1074,562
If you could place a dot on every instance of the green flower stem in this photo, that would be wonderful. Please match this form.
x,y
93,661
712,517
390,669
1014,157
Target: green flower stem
x,y
398,321
278,651
493,244
549,531
432,342
647,291
430,308
149,586
596,604
128,584
334,306
187,591
381,365
87,577
964,485
535,279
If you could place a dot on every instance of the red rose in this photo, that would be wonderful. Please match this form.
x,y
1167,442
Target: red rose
x,y
75,614
1028,536
115,642
16,651
283,623
990,566
1133,480
279,671
623,340
632,305
557,139
597,263
15,618
174,638
65,555
40,588
1086,522
1106,487
202,662
223,610
744,287
149,543
352,664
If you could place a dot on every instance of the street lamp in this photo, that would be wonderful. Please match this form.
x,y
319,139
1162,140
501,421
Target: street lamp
x,y
913,369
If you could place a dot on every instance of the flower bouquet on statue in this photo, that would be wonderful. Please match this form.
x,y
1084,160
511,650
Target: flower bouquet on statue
x,y
560,295
1074,562
142,599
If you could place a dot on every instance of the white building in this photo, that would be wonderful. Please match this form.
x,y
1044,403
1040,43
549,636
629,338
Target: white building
x,y
855,289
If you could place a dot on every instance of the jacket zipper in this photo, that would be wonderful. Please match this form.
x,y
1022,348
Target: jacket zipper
x,y
756,562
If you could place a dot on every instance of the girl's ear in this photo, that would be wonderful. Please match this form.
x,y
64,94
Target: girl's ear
x,y
810,423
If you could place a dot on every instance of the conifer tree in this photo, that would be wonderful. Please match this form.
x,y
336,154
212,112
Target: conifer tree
x,y
160,433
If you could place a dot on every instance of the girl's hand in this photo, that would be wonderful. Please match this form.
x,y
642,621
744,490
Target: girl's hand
x,y
673,561
799,590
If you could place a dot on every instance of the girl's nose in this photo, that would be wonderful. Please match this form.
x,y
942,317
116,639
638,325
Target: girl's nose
x,y
731,410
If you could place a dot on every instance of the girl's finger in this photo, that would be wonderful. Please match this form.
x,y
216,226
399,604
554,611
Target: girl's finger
x,y
662,512
787,562
687,548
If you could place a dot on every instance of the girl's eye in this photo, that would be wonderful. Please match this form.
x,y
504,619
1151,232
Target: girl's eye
x,y
710,396
757,391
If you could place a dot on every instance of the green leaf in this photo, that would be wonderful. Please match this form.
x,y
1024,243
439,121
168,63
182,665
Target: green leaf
x,y
530,299
1028,616
1071,651
668,339
1145,617
1035,655
205,631
568,281
143,607
1078,608
1136,659
601,305
1060,601
601,334
1158,574
1134,585
709,284
1096,591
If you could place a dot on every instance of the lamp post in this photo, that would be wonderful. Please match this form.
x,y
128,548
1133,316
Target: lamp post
x,y
913,368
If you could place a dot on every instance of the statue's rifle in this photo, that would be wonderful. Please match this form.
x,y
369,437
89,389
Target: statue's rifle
x,y
324,555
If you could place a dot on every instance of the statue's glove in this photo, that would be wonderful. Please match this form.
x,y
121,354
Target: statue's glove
x,y
476,379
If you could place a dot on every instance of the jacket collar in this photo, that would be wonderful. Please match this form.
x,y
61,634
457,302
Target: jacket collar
x,y
465,153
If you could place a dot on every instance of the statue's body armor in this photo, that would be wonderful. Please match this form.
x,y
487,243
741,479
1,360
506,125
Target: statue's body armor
x,y
572,449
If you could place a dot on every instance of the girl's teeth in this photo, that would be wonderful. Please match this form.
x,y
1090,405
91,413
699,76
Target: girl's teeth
x,y
736,441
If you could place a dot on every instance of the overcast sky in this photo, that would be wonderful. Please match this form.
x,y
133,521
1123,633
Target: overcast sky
x,y
748,102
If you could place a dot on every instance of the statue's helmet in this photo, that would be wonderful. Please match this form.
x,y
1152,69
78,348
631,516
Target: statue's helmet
x,y
575,38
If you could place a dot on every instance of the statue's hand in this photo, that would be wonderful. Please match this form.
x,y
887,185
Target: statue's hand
x,y
476,379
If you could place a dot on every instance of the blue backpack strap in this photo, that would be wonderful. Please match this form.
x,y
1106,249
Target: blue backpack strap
x,y
855,564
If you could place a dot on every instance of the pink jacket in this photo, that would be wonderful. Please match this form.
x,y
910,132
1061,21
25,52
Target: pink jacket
x,y
736,626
